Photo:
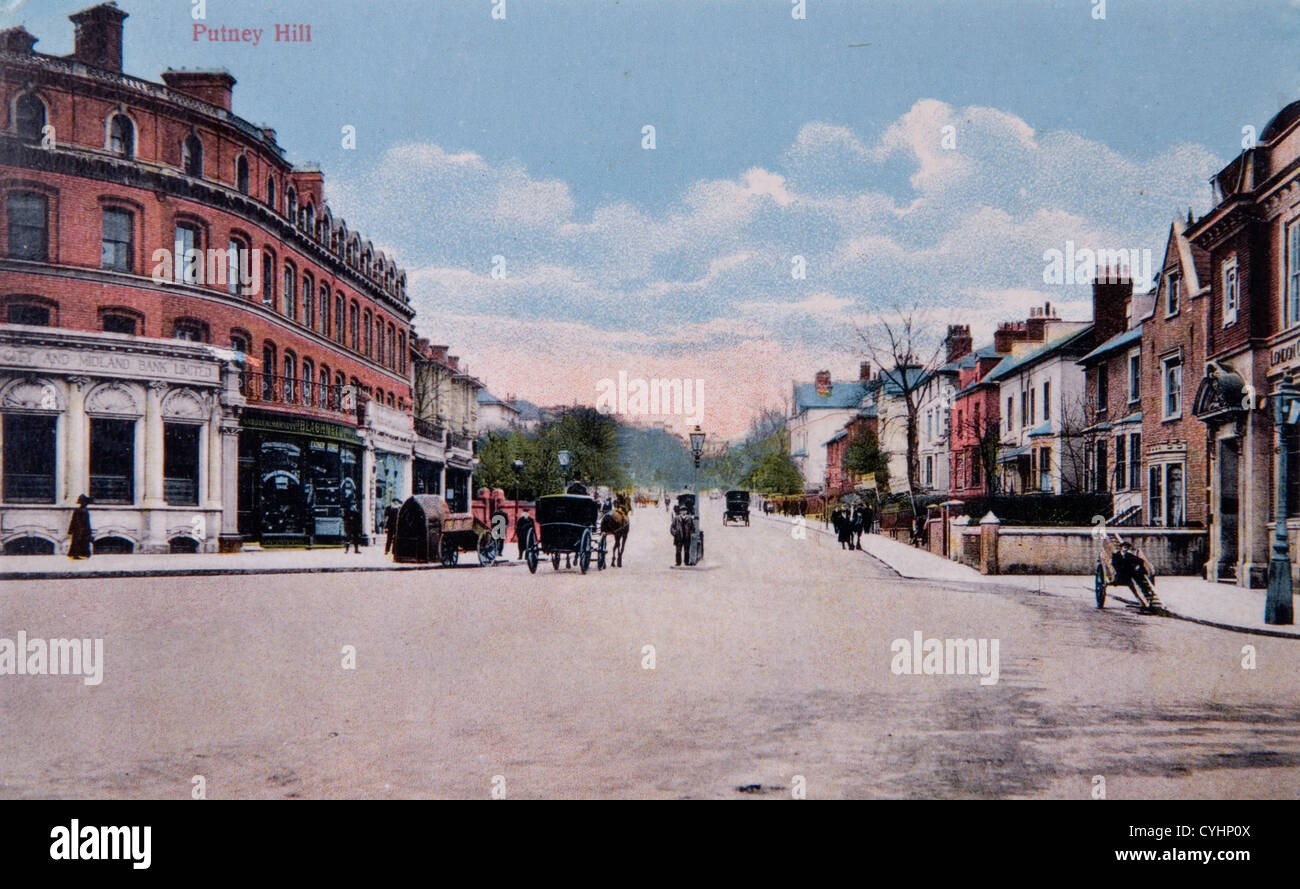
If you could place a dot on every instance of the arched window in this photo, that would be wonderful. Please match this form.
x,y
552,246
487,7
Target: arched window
x,y
325,399
369,340
308,377
192,156
339,328
268,280
29,117
241,174
290,371
311,220
325,309
291,205
270,191
390,399
379,396
392,346
268,372
121,135
354,325
238,267
290,294
401,352
308,302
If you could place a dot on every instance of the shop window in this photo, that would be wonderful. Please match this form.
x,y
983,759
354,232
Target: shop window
x,y
112,460
29,458
28,226
188,257
29,118
181,464
115,248
121,136
28,313
192,156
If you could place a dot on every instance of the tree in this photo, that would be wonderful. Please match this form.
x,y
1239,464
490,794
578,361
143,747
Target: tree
x,y
775,474
988,441
864,457
907,357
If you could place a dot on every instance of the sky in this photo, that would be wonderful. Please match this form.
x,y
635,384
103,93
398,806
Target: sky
x,y
517,144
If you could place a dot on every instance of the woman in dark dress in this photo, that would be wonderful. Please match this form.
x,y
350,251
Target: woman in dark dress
x,y
79,530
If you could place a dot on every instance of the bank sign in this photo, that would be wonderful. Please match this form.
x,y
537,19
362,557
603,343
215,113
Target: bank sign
x,y
1283,355
93,362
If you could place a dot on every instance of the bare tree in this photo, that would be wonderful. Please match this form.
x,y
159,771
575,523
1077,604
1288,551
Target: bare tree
x,y
987,433
907,357
1074,444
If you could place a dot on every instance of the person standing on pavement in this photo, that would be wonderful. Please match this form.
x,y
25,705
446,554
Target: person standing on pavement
x,y
352,527
858,521
523,527
79,530
681,528
390,524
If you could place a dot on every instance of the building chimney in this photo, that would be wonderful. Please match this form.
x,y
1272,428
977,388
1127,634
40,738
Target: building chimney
x,y
1111,293
453,361
823,383
16,40
958,341
98,37
864,371
213,87
1009,332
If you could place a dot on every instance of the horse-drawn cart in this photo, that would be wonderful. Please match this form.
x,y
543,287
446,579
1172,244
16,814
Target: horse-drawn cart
x,y
566,525
428,531
737,507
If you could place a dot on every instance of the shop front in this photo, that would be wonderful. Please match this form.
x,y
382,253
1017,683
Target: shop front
x,y
297,478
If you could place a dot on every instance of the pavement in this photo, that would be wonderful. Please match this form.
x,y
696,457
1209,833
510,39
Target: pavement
x,y
1190,598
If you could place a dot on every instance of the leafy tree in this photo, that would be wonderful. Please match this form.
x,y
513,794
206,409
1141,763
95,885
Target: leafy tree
x,y
864,457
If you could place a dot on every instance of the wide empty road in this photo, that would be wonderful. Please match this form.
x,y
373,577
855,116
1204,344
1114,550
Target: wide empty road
x,y
771,660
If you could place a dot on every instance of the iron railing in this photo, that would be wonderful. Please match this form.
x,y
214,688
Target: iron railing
x,y
266,388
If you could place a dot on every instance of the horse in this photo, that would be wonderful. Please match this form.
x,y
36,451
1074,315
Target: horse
x,y
617,522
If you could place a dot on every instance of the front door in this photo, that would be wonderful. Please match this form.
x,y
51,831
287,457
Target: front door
x,y
1229,458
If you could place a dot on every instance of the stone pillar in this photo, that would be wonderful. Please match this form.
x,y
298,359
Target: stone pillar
x,y
989,526
957,537
212,493
153,444
367,488
77,447
230,540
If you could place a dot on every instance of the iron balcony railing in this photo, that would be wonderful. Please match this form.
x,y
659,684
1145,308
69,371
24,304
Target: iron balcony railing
x,y
460,442
430,430
262,388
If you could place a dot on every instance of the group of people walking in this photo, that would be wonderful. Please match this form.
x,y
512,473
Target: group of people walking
x,y
850,522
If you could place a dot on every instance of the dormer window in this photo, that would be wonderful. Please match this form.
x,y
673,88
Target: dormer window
x,y
121,135
1171,293
29,117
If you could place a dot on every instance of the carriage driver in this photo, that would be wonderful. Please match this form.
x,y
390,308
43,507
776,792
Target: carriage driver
x,y
1133,571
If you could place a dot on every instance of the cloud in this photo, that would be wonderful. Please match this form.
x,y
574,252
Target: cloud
x,y
947,209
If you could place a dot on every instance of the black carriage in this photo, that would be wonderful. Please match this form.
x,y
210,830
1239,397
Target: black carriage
x,y
428,531
566,525
737,507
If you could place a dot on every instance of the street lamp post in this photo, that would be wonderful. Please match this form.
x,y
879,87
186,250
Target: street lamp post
x,y
518,467
564,460
697,449
1278,606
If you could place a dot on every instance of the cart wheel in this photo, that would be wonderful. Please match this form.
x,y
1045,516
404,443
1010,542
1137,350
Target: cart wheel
x,y
584,552
530,552
600,553
487,549
1100,582
447,553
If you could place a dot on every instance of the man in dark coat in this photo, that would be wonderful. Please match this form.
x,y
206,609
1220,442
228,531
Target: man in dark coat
x,y
352,528
682,529
1132,570
79,530
390,524
859,519
523,527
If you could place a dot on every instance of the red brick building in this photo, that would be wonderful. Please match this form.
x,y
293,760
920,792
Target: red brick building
x,y
145,223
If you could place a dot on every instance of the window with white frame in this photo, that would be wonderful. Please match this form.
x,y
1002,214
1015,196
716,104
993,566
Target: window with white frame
x,y
1171,386
1231,292
1171,293
1165,495
1291,305
1134,375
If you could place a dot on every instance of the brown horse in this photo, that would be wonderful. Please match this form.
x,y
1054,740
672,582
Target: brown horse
x,y
617,522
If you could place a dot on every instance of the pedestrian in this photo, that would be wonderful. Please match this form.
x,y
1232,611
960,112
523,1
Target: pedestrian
x,y
844,527
352,528
390,524
681,530
523,527
79,532
858,520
